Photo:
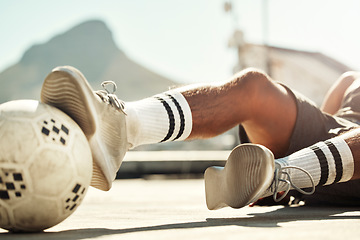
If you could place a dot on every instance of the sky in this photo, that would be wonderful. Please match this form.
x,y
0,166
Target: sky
x,y
187,40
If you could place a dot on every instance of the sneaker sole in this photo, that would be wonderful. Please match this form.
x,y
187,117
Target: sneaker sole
x,y
67,89
248,172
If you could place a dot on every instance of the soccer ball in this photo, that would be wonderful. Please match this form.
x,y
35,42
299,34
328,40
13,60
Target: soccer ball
x,y
45,166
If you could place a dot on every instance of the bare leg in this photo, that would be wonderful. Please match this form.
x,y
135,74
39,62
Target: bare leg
x,y
222,184
250,171
265,108
335,95
352,138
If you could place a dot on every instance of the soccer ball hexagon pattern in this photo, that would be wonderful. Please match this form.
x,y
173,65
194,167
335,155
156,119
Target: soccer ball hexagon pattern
x,y
45,166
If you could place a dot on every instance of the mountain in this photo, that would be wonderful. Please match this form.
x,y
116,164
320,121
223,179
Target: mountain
x,y
90,48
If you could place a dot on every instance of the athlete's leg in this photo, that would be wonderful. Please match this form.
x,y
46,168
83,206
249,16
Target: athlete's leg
x,y
335,95
342,101
307,158
266,109
332,161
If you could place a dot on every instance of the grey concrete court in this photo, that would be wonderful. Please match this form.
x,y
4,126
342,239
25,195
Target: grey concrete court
x,y
175,209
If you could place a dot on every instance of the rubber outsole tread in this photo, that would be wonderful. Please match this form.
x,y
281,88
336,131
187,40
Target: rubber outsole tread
x,y
247,173
65,97
68,90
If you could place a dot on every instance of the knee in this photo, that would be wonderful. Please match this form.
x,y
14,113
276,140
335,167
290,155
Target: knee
x,y
347,82
250,73
252,81
349,77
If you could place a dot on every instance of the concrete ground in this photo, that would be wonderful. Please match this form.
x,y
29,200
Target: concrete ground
x,y
175,209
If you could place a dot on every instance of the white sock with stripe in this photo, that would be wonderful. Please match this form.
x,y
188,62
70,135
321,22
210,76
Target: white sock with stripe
x,y
327,162
161,118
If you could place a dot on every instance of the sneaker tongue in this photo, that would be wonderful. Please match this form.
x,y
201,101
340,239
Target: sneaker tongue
x,y
277,165
102,96
110,99
282,162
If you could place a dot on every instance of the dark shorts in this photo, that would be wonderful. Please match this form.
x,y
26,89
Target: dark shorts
x,y
312,125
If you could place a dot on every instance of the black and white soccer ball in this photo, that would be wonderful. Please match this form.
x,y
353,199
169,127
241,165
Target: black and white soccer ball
x,y
45,166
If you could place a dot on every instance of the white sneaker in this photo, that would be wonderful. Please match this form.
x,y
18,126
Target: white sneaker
x,y
100,115
282,182
250,173
247,174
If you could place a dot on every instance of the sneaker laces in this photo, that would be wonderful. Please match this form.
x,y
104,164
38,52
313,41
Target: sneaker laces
x,y
107,95
279,172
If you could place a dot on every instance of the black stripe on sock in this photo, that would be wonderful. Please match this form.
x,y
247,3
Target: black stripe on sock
x,y
182,117
323,164
171,119
338,161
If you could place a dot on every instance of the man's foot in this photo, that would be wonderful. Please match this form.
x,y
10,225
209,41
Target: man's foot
x,y
248,173
100,115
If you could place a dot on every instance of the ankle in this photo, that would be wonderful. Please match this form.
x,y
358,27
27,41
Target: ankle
x,y
161,118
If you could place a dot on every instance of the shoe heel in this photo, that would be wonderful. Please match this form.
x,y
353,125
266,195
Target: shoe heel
x,y
98,179
247,173
61,90
213,188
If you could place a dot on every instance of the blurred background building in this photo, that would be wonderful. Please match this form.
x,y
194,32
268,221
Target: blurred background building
x,y
311,73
